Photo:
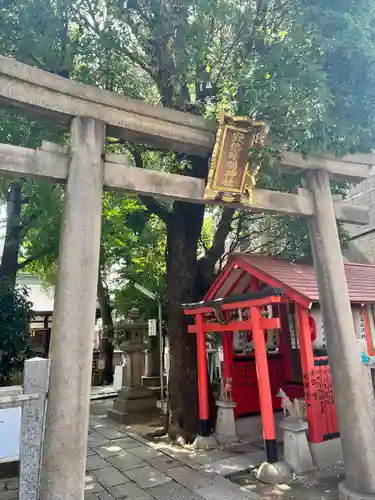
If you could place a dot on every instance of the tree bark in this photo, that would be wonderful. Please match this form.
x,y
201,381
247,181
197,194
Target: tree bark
x,y
106,346
9,260
183,231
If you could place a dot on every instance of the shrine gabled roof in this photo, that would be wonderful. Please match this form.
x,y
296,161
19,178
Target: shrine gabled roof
x,y
297,280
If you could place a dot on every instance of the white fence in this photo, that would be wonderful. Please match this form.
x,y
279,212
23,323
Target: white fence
x,y
31,399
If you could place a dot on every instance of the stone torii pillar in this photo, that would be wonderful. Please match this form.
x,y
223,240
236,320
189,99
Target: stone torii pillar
x,y
71,350
355,410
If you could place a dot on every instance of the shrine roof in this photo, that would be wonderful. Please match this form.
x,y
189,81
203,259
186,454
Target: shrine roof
x,y
297,280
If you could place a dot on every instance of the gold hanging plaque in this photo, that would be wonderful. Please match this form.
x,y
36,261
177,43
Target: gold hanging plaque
x,y
231,174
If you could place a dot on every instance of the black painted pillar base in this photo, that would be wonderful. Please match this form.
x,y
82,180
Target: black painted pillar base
x,y
204,428
271,450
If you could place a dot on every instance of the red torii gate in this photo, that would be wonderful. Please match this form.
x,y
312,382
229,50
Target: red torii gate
x,y
221,308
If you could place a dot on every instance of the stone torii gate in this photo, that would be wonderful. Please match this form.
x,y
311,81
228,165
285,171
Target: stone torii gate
x,y
91,114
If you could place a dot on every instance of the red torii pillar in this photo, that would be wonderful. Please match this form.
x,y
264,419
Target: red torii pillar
x,y
264,387
203,397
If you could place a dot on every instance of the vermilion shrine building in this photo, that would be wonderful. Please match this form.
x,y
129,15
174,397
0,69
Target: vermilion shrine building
x,y
267,313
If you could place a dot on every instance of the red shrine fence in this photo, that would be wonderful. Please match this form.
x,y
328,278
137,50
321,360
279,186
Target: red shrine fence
x,y
320,404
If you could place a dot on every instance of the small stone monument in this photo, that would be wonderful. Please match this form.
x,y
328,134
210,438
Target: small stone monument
x,y
133,399
297,454
225,424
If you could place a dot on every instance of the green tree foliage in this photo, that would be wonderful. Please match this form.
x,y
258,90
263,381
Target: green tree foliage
x,y
15,314
306,68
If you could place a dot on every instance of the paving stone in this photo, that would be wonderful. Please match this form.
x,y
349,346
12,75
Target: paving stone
x,y
95,439
127,443
173,491
146,452
216,492
126,462
91,485
9,495
164,463
234,488
11,485
243,448
116,447
109,432
103,495
130,491
146,477
190,478
235,464
90,452
110,477
95,462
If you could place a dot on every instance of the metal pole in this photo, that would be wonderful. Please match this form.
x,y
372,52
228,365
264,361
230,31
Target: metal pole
x,y
161,353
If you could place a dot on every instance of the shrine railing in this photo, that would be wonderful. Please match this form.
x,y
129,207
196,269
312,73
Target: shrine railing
x,y
321,409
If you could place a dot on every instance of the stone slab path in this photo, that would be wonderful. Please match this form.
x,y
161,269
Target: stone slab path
x,y
123,465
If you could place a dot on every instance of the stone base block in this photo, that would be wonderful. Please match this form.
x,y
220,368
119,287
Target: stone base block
x,y
225,424
135,392
346,494
129,418
134,405
326,454
153,381
278,473
297,454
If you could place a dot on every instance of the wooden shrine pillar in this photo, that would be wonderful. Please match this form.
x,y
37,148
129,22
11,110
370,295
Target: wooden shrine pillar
x,y
264,387
67,418
355,409
203,397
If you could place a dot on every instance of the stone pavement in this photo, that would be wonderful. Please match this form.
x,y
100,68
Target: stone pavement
x,y
123,465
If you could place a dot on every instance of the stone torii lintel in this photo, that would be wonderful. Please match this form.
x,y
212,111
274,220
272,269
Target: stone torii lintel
x,y
51,163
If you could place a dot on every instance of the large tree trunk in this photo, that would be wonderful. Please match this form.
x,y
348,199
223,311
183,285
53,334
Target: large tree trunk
x,y
9,260
183,231
106,346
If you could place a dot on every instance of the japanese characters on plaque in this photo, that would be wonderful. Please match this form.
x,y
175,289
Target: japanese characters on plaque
x,y
318,386
232,173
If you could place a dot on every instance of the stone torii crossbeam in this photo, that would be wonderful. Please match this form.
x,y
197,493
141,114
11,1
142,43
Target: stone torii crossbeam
x,y
91,114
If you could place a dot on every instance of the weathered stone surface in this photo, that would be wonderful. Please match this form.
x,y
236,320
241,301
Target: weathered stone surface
x,y
110,477
36,377
131,491
217,491
173,491
66,427
190,478
116,447
146,477
146,452
235,464
346,494
355,411
126,462
95,462
164,463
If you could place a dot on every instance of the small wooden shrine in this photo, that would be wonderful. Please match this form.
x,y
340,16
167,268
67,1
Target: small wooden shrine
x,y
268,316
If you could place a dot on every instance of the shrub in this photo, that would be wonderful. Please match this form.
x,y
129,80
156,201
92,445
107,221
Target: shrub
x,y
15,315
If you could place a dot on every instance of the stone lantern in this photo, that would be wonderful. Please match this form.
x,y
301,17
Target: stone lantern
x,y
133,399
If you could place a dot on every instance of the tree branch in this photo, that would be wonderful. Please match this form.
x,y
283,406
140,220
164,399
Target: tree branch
x,y
33,258
207,263
152,205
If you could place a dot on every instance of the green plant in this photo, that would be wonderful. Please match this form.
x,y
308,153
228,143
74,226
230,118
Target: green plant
x,y
15,314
